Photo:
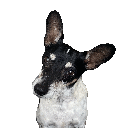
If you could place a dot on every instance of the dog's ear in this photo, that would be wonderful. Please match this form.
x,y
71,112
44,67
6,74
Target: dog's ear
x,y
98,55
54,28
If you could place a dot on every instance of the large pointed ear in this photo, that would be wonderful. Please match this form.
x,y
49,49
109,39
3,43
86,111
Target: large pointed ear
x,y
54,28
98,55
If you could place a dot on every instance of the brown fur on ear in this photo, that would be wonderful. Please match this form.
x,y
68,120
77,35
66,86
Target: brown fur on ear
x,y
98,55
54,28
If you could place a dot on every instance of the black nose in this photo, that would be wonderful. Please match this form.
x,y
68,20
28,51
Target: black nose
x,y
40,90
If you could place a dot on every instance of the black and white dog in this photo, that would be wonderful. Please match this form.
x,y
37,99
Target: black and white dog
x,y
63,95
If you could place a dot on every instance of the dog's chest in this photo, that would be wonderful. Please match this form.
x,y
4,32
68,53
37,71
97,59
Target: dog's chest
x,y
62,111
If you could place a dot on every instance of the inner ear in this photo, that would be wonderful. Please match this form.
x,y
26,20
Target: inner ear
x,y
54,28
98,55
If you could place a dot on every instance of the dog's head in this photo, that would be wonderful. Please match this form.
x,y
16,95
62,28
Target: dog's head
x,y
62,63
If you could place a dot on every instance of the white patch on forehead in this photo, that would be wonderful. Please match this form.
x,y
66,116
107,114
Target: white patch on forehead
x,y
68,51
52,56
68,65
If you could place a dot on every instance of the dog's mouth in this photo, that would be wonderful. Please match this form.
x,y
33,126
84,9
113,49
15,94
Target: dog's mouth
x,y
43,84
41,89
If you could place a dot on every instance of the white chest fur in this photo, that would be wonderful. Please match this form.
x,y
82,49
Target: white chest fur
x,y
64,108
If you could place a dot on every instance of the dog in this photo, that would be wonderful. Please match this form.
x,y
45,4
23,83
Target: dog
x,y
59,87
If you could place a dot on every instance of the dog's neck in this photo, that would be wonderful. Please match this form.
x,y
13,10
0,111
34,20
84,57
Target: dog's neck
x,y
62,94
59,106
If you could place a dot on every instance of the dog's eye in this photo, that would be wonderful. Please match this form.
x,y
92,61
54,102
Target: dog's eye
x,y
69,75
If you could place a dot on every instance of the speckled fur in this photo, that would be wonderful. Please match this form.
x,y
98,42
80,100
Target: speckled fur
x,y
57,109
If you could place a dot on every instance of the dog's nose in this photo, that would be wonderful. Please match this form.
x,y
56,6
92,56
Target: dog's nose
x,y
37,88
40,90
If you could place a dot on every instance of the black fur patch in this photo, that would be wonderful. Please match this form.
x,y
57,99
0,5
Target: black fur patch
x,y
55,70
